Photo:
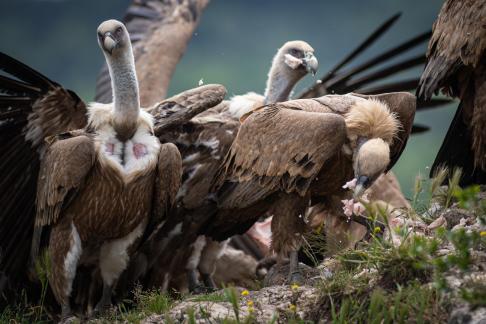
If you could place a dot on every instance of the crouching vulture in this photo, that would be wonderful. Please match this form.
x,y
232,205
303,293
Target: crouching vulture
x,y
102,176
456,63
288,155
204,142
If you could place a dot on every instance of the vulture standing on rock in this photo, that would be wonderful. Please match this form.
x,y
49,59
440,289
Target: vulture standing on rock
x,y
104,178
206,141
456,63
288,154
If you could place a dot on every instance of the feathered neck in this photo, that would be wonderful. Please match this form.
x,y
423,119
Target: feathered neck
x,y
126,99
281,80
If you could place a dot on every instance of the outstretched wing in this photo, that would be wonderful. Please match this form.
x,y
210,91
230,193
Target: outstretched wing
x,y
31,108
174,112
458,40
67,162
281,148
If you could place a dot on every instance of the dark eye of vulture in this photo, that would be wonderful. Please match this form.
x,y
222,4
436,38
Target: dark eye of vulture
x,y
296,53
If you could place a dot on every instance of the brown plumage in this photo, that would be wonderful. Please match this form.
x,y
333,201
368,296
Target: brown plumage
x,y
34,108
206,139
456,64
287,153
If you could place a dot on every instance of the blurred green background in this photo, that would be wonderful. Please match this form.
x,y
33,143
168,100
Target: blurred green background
x,y
233,45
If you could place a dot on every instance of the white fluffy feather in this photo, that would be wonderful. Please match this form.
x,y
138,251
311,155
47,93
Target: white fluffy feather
x,y
240,105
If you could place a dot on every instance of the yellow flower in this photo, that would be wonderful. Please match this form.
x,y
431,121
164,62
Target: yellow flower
x,y
377,229
245,293
250,303
483,234
294,286
251,310
292,308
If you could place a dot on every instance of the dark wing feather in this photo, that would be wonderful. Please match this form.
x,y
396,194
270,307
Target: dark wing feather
x,y
282,149
458,40
181,108
31,107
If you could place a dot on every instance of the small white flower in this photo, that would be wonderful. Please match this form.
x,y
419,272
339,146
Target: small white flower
x,y
201,82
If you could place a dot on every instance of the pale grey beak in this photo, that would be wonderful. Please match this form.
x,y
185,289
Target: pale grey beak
x,y
109,42
311,63
362,184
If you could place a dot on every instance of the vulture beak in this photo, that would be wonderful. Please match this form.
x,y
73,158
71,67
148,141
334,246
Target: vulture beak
x,y
310,62
362,184
109,42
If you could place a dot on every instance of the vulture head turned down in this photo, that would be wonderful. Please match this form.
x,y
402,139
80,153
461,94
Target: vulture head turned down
x,y
371,128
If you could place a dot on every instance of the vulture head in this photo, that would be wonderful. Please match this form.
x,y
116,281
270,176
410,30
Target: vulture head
x,y
371,129
298,58
113,37
291,63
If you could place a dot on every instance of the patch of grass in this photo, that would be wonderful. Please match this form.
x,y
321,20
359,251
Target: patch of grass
x,y
412,304
215,297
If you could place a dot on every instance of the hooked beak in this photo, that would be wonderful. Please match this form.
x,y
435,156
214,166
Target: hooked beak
x,y
310,62
109,43
362,184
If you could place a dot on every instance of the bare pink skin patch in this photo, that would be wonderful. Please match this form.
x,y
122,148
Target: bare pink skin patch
x,y
110,148
139,150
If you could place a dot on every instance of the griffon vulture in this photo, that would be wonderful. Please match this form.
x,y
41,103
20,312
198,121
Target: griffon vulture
x,y
108,152
286,155
456,63
204,143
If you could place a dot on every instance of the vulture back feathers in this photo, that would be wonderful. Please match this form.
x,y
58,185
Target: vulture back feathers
x,y
456,64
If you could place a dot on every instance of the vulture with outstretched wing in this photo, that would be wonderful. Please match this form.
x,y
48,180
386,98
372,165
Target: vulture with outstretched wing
x,y
456,63
101,155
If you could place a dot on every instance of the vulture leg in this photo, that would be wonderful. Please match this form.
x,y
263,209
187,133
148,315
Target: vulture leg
x,y
113,261
64,251
210,255
288,226
192,274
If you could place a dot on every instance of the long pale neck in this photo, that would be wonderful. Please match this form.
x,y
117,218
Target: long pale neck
x,y
281,80
126,99
279,86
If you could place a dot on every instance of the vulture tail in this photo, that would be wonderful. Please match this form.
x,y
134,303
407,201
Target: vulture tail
x,y
456,152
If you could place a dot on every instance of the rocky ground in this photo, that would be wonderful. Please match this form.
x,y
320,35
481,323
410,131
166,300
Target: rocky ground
x,y
428,266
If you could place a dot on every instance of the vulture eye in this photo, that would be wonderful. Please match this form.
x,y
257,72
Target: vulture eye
x,y
293,52
118,31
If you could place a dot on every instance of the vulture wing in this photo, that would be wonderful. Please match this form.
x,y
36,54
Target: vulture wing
x,y
68,160
172,113
283,148
169,173
458,40
32,107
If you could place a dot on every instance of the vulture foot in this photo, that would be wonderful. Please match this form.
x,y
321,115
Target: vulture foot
x,y
67,315
105,302
208,282
295,276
